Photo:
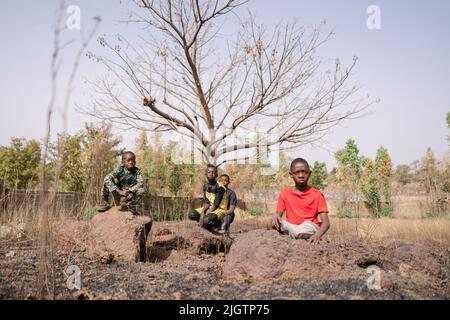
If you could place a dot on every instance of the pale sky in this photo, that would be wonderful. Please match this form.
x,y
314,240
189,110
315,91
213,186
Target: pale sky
x,y
405,65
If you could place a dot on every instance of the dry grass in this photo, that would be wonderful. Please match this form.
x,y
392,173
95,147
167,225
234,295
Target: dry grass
x,y
341,229
406,229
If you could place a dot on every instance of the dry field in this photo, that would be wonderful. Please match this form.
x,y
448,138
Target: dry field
x,y
178,274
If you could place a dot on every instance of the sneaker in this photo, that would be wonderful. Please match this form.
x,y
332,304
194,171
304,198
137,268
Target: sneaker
x,y
225,229
133,210
103,207
123,204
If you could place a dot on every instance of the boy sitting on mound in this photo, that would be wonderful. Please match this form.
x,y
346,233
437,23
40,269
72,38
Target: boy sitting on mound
x,y
211,216
302,204
126,184
231,203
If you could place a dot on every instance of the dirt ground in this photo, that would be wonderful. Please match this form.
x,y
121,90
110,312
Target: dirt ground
x,y
179,274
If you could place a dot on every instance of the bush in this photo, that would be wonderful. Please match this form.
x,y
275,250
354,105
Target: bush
x,y
344,213
89,213
386,212
256,212
176,212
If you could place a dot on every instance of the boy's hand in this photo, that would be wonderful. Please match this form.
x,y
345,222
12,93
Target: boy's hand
x,y
123,193
276,222
201,221
314,239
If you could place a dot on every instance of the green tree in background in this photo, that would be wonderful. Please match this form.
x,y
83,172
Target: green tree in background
x,y
428,173
403,174
175,180
369,187
19,163
100,153
318,175
383,166
72,175
88,156
448,123
348,174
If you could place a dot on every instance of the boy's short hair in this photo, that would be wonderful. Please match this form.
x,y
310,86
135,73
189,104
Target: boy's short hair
x,y
226,176
128,153
211,166
299,160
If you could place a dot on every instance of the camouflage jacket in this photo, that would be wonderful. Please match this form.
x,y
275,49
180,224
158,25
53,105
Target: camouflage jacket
x,y
123,179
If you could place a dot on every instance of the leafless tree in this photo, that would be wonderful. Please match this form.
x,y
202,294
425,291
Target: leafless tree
x,y
188,77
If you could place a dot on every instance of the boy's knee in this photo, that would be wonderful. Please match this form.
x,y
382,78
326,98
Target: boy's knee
x,y
194,215
229,218
211,220
140,192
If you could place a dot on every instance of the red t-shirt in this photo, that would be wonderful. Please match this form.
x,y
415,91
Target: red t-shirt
x,y
301,207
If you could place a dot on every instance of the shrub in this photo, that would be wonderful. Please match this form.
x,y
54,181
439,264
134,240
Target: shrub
x,y
344,213
89,213
256,212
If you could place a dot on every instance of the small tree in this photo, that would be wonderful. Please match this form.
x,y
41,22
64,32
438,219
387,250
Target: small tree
x,y
369,187
403,174
73,172
428,173
175,180
348,173
448,123
88,156
444,174
19,163
383,166
319,175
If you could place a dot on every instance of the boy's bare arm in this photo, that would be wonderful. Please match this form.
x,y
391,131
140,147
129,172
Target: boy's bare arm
x,y
322,230
231,210
203,213
276,220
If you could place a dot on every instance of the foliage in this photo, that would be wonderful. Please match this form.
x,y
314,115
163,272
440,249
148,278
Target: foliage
x,y
19,163
348,172
175,180
256,212
89,213
370,187
318,175
343,212
403,174
87,157
428,172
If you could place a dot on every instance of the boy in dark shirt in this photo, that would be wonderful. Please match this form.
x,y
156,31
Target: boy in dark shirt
x,y
214,209
231,203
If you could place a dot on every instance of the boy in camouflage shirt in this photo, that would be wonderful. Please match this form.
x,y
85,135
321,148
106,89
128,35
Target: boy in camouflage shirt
x,y
126,185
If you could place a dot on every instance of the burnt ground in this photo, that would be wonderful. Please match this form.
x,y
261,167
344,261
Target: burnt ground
x,y
179,274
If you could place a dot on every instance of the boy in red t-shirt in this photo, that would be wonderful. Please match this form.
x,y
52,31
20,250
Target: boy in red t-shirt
x,y
302,204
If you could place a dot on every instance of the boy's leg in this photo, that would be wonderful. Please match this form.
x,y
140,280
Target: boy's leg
x,y
134,201
306,230
227,221
302,231
212,221
104,205
194,215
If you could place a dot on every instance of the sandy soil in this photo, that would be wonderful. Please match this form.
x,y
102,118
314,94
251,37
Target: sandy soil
x,y
179,274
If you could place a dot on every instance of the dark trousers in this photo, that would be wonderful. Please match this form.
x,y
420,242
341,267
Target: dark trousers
x,y
211,220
